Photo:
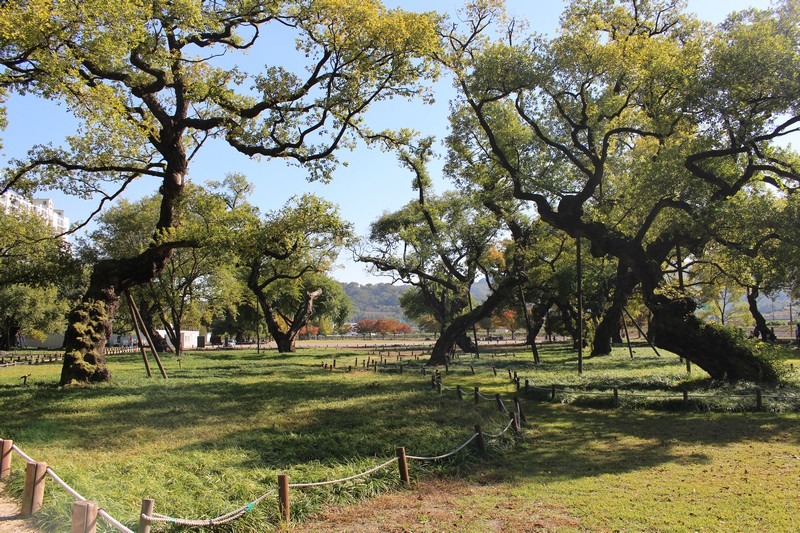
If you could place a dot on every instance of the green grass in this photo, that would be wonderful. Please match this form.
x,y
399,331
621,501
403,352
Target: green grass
x,y
217,433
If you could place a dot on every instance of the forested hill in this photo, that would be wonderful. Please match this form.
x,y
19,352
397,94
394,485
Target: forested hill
x,y
375,300
382,300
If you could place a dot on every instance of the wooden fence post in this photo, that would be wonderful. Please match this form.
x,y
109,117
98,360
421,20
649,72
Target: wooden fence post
x,y
6,447
283,497
552,392
33,494
477,396
148,504
759,402
518,409
479,439
84,517
616,397
685,397
500,406
402,465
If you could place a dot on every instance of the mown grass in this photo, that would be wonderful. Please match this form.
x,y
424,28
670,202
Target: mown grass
x,y
216,434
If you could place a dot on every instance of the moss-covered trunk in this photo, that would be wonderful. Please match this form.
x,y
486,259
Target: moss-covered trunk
x,y
89,324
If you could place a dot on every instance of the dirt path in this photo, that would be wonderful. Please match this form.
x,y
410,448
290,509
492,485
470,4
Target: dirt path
x,y
9,510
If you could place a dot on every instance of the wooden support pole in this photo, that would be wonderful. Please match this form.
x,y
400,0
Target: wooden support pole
x,y
527,386
759,402
472,369
479,439
6,447
283,497
515,423
616,396
84,517
148,505
552,392
402,465
494,369
33,494
685,397
477,395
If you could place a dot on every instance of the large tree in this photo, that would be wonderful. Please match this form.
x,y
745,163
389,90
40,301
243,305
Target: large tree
x,y
286,255
149,86
632,128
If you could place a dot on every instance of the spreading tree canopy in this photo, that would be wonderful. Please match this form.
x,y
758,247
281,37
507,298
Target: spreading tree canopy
x,y
150,83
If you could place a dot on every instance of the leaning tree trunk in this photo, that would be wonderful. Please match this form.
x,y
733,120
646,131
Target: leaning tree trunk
x,y
607,331
713,348
89,323
761,328
463,323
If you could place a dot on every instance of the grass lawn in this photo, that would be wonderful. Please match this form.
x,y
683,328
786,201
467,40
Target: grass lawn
x,y
216,434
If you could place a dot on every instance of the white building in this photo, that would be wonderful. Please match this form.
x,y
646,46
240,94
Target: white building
x,y
44,207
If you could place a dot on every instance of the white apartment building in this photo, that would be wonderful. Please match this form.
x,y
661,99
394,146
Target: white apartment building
x,y
45,207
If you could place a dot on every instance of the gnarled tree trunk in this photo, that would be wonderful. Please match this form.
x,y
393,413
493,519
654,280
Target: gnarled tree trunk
x,y
285,337
89,324
607,331
712,348
461,325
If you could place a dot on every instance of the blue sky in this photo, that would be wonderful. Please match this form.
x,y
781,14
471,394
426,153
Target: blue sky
x,y
371,183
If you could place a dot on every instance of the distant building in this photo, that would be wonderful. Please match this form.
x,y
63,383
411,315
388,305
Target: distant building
x,y
44,207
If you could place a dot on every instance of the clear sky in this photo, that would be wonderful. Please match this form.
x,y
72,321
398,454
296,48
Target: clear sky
x,y
372,182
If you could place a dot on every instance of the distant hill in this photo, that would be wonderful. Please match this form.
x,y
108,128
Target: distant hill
x,y
375,300
382,300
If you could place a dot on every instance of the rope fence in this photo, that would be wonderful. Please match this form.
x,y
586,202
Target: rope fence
x,y
615,394
85,512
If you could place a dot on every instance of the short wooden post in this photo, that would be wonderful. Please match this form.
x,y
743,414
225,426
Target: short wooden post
x,y
283,497
33,494
477,396
759,402
84,517
616,396
686,397
494,369
6,447
527,386
334,363
509,374
516,383
459,392
500,406
148,505
472,369
515,423
479,439
401,368
552,392
402,465
518,409
446,368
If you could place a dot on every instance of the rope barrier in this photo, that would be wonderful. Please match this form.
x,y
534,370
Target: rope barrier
x,y
321,483
209,522
444,456
22,454
108,518
64,486
510,422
